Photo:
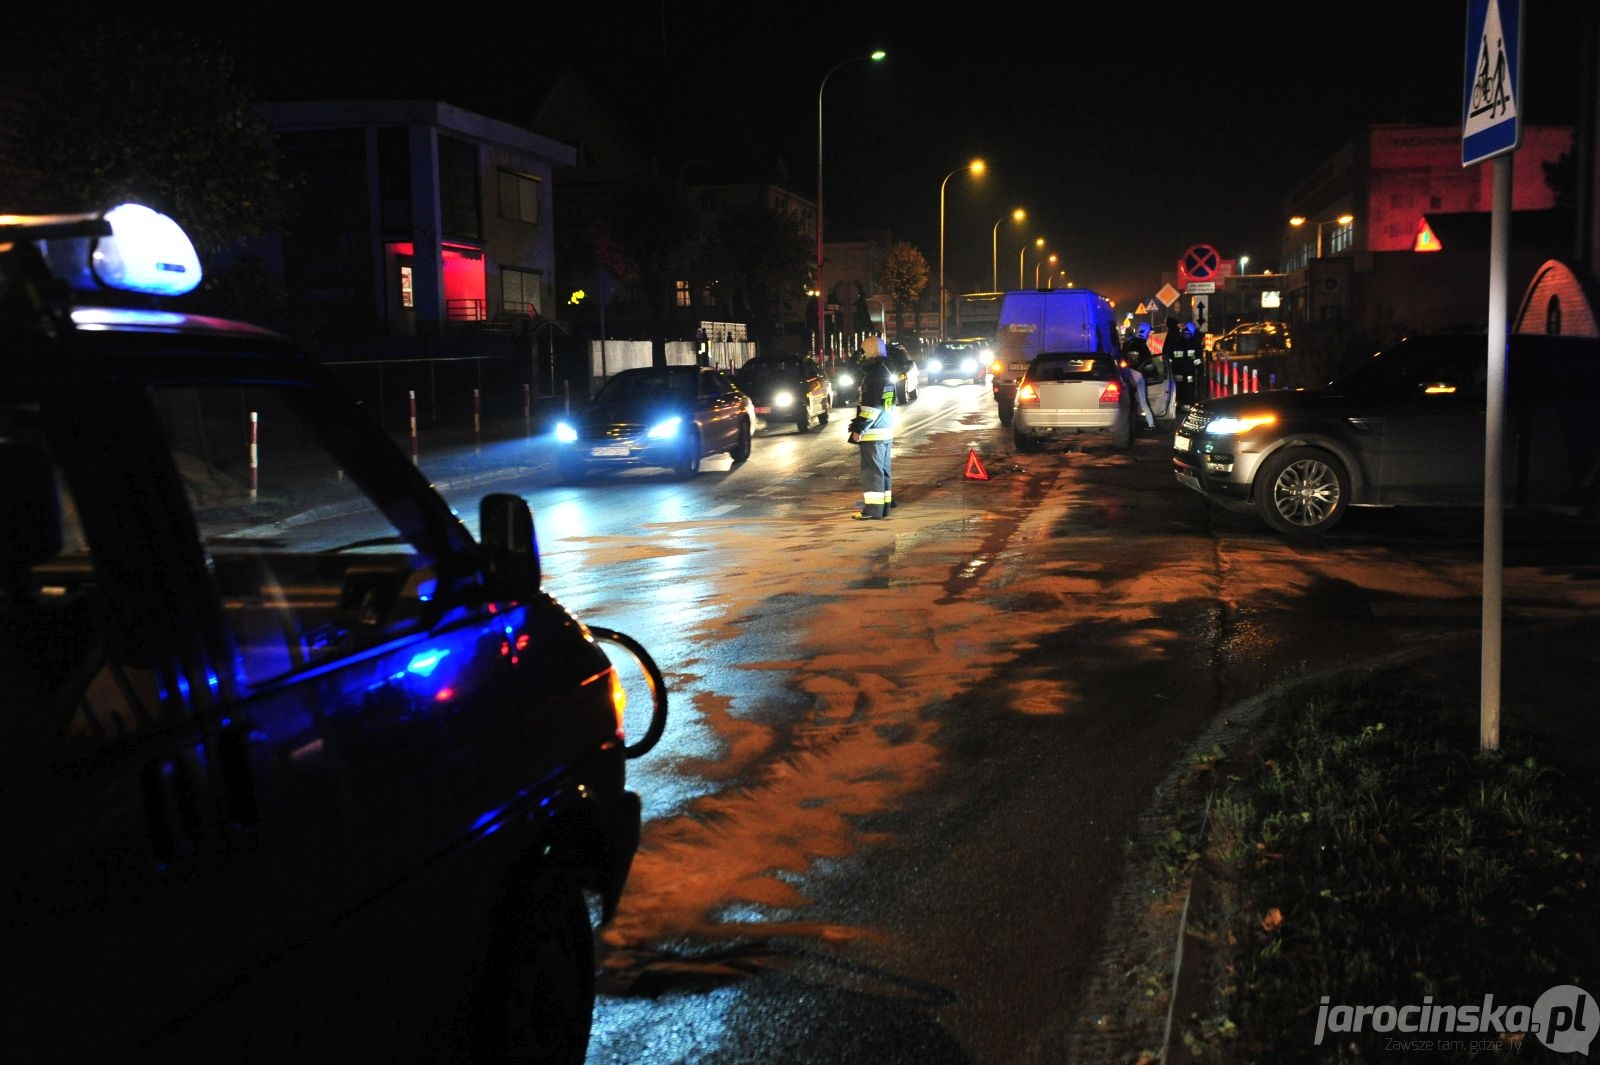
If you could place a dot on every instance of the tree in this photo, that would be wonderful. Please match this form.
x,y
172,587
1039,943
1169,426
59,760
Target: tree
x,y
755,254
659,227
120,112
905,276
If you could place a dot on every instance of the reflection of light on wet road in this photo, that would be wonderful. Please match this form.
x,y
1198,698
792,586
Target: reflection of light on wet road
x,y
972,567
692,1029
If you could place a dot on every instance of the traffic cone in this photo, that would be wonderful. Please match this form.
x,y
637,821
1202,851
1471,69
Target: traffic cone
x,y
975,470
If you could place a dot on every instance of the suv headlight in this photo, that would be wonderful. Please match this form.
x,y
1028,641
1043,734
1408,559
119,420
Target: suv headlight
x,y
1238,426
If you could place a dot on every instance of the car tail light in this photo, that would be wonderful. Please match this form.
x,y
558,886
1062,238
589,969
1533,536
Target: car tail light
x,y
1027,394
1112,394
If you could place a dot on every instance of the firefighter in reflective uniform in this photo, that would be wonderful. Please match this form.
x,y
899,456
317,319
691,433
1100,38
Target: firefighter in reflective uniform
x,y
872,429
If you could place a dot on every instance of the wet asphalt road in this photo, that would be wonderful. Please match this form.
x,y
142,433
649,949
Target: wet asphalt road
x,y
909,764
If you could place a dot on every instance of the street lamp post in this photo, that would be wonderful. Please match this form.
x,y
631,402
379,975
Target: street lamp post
x,y
977,166
1017,215
1038,242
1041,262
1342,220
822,307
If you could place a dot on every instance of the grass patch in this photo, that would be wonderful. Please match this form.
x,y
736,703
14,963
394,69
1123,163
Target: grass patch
x,y
1366,850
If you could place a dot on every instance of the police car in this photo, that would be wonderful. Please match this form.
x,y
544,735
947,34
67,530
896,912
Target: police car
x,y
296,768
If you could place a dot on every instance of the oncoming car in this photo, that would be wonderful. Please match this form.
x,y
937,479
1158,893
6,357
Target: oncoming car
x,y
1404,427
787,390
959,361
907,372
1065,394
664,416
296,766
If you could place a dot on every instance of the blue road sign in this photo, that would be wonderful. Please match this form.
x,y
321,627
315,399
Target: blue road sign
x,y
1491,80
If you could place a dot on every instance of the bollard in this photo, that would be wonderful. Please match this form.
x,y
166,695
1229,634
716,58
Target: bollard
x,y
255,465
411,400
477,422
527,413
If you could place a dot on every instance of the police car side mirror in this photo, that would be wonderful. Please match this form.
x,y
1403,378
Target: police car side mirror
x,y
510,548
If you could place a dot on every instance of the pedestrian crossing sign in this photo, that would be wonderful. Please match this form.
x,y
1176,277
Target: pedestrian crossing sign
x,y
1492,80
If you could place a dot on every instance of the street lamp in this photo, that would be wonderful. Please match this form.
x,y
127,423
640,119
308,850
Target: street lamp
x,y
1017,215
1342,220
1038,242
977,166
822,311
1041,262
1244,261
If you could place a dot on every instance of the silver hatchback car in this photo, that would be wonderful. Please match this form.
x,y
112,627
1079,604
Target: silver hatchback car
x,y
1064,394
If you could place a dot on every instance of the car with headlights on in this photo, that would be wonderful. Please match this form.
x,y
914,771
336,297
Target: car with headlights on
x,y
908,374
298,766
670,417
958,361
1404,427
845,376
787,390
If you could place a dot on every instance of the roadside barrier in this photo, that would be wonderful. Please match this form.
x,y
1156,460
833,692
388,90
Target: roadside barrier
x,y
1229,377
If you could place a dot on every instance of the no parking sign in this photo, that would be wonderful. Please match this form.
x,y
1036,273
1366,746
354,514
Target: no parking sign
x,y
1199,263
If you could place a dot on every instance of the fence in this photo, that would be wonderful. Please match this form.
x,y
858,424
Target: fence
x,y
1230,377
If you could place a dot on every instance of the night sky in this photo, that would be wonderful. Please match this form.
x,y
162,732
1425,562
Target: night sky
x,y
1128,131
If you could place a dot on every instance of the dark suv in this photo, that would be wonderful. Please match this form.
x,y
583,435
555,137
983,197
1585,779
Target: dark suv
x,y
295,767
1405,427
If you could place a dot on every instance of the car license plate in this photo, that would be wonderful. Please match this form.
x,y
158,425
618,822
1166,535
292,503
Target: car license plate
x,y
1180,443
1018,367
609,452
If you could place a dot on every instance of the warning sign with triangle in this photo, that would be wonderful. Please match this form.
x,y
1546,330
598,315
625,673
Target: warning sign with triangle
x,y
1426,239
975,470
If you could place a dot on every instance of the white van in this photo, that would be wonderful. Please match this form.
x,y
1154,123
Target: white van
x,y
1035,320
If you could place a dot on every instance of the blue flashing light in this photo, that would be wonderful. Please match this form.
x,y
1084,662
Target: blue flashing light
x,y
147,252
424,663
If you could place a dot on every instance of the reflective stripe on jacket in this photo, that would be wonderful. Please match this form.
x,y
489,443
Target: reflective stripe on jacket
x,y
876,406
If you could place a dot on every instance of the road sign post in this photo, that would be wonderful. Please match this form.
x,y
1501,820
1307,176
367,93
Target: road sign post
x,y
1490,129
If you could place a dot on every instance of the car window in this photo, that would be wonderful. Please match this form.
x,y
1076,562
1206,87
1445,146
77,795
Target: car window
x,y
65,691
295,592
1447,365
1047,368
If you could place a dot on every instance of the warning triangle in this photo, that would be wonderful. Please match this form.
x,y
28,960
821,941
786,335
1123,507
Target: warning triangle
x,y
1426,239
975,470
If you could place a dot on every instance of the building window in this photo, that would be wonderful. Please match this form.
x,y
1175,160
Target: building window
x,y
519,196
1552,316
682,295
519,290
408,298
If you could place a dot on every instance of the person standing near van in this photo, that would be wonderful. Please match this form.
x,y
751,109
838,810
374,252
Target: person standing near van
x,y
1182,350
872,429
1136,353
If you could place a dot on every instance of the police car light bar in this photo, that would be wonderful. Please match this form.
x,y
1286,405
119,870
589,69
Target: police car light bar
x,y
130,248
